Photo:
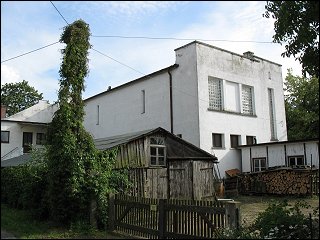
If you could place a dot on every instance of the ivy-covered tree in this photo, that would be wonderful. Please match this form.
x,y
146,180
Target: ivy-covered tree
x,y
19,96
297,24
302,106
71,151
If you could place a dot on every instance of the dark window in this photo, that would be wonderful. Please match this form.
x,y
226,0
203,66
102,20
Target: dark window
x,y
259,164
234,141
251,140
41,139
157,151
5,135
217,140
295,160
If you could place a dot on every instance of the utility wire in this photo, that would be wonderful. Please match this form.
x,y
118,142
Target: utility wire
x,y
117,61
172,38
59,12
29,52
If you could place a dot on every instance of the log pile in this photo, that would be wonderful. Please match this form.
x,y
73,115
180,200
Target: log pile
x,y
282,182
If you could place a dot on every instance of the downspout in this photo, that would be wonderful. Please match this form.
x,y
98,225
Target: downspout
x,y
171,107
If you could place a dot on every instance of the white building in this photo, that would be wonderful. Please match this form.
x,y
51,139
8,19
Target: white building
x,y
25,128
211,97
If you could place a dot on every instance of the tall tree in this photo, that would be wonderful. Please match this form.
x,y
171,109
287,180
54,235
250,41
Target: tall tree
x,y
297,24
71,151
19,96
302,106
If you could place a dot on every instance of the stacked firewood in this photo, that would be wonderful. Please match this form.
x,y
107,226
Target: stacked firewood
x,y
282,181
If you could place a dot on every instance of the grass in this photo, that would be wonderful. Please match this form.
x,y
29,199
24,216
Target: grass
x,y
251,206
23,225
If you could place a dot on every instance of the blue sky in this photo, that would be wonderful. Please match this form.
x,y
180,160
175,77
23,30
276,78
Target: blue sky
x,y
26,26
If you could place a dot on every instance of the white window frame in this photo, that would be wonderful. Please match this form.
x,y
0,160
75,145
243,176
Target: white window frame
x,y
257,167
295,158
157,156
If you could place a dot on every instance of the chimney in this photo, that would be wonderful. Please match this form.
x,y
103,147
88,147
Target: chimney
x,y
3,111
109,88
248,54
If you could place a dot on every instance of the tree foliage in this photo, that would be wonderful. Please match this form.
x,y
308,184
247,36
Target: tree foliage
x,y
19,96
302,106
297,23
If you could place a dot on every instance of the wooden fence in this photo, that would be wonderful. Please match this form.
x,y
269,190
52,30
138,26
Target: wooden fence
x,y
162,218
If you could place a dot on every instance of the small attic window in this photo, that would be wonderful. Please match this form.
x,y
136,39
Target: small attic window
x,y
157,151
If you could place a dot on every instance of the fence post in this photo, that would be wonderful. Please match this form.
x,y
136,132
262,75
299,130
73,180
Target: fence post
x,y
232,214
162,219
111,213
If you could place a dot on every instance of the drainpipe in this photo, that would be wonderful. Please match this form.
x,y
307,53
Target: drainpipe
x,y
171,108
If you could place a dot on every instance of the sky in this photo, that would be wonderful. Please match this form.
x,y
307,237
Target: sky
x,y
29,25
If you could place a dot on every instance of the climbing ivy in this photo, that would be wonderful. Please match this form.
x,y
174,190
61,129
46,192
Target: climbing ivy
x,y
71,150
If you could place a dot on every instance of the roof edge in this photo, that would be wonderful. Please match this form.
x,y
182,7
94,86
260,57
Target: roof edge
x,y
134,81
281,142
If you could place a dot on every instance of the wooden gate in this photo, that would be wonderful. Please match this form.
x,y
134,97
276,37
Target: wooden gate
x,y
162,218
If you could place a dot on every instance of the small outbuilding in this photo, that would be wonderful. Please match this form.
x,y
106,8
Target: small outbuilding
x,y
162,165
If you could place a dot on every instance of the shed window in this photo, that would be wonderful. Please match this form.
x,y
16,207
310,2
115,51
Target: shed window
x,y
259,164
5,136
295,160
157,151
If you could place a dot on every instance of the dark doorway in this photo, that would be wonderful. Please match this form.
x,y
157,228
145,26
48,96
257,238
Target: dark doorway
x,y
27,142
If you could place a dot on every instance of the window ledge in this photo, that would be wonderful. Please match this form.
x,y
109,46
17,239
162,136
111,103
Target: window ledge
x,y
221,148
230,112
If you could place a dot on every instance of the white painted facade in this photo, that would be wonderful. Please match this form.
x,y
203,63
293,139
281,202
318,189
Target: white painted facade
x,y
280,153
31,120
145,103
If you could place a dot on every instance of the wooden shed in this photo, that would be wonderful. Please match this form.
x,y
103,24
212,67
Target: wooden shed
x,y
162,165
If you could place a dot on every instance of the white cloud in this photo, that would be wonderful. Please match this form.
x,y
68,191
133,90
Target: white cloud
x,y
9,75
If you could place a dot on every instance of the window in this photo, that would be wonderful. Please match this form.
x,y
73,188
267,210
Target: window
x,y
157,151
247,100
231,97
234,141
259,164
215,93
143,101
5,136
98,114
217,140
272,115
295,160
250,140
41,139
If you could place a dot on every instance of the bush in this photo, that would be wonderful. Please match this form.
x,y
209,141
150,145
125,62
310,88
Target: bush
x,y
282,221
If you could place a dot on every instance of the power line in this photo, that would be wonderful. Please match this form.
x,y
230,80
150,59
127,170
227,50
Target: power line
x,y
29,52
117,61
172,38
59,12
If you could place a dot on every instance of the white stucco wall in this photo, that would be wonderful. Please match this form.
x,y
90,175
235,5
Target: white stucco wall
x,y
233,68
20,122
276,154
120,110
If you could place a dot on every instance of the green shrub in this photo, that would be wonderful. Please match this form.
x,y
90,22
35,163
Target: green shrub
x,y
282,221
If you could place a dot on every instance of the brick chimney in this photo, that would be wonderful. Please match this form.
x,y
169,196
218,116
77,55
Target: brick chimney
x,y
249,54
3,111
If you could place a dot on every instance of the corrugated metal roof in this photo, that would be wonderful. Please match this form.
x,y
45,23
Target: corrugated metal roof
x,y
16,160
109,142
